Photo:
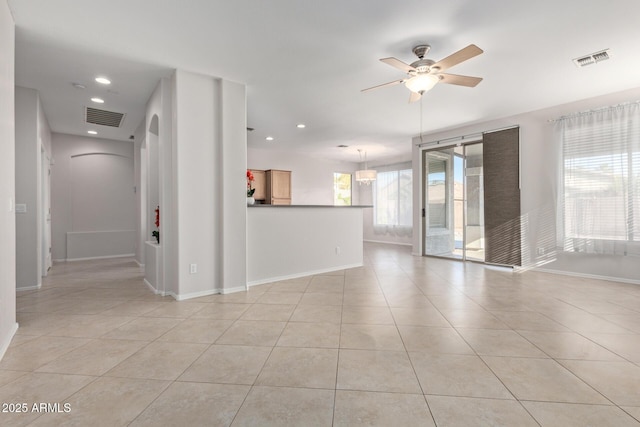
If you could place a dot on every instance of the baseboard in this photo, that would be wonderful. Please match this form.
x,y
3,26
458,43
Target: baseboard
x,y
233,290
100,257
183,297
587,276
29,288
302,274
154,290
6,341
388,243
139,263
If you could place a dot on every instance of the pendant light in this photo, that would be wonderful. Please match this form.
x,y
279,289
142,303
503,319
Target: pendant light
x,y
366,176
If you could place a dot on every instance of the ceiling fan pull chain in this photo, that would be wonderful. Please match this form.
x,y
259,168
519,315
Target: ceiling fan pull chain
x,y
421,120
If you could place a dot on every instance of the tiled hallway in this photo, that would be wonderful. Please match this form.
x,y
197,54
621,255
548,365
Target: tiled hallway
x,y
403,341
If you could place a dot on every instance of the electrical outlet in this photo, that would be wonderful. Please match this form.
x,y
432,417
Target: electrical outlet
x,y
338,250
540,251
193,268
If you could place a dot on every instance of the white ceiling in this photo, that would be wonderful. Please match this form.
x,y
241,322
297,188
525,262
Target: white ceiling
x,y
307,60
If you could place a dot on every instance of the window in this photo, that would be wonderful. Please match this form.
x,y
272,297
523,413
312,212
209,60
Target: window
x,y
601,188
393,198
341,189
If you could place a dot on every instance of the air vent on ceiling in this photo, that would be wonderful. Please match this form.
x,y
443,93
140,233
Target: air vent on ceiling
x,y
594,58
103,117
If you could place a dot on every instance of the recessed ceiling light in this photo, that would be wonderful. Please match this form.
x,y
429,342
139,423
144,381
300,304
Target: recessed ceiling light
x,y
301,126
92,132
269,138
103,80
98,100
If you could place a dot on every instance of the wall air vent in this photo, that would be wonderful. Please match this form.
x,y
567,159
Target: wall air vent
x,y
103,117
594,58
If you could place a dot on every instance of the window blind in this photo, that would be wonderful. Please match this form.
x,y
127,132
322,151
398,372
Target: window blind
x,y
601,179
393,198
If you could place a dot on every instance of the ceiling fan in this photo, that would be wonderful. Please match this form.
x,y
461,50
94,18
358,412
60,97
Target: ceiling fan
x,y
424,74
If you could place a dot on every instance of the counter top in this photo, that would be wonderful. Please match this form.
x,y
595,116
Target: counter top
x,y
264,205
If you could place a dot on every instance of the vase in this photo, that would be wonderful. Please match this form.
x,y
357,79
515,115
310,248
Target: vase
x,y
251,201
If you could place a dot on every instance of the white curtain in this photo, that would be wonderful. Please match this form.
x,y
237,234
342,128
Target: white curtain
x,y
599,188
393,201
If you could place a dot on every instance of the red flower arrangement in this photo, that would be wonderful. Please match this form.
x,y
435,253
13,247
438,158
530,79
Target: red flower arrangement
x,y
156,233
250,189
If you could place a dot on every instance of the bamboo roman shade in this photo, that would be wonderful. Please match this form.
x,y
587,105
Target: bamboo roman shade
x,y
501,161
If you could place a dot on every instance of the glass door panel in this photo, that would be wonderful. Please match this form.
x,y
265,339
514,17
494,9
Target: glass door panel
x,y
454,202
439,211
474,197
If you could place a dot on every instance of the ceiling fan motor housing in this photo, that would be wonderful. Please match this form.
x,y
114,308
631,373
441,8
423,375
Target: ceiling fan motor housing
x,y
423,65
421,50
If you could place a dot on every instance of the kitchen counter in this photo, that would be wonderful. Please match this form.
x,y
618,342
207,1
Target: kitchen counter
x,y
264,205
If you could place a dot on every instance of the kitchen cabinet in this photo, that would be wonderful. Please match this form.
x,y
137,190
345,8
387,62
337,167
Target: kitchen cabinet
x,y
278,187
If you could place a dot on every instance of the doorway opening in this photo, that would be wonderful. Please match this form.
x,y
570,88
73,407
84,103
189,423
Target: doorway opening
x,y
454,202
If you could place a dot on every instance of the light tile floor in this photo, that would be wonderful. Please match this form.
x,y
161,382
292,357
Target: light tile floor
x,y
401,341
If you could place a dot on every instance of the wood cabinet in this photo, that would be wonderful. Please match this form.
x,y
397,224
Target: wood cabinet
x,y
278,187
259,183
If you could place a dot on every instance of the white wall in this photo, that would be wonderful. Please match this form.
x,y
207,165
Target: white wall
x,y
159,136
138,141
195,128
539,172
294,241
311,178
32,138
209,143
232,140
93,203
8,323
27,165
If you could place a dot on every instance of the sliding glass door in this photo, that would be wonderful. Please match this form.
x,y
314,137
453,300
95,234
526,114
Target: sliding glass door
x,y
474,244
454,202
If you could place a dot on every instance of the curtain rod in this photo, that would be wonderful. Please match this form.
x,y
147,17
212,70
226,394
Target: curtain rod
x,y
388,165
450,141
595,110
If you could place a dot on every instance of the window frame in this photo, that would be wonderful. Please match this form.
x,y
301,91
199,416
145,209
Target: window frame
x,y
335,189
399,203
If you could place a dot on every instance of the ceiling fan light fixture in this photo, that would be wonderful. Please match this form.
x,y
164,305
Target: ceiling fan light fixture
x,y
421,83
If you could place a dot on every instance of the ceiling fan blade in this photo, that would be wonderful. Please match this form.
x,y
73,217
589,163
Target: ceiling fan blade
x,y
396,63
415,96
458,57
454,79
383,85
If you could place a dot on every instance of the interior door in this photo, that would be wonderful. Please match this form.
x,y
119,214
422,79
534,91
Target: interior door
x,y
46,213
